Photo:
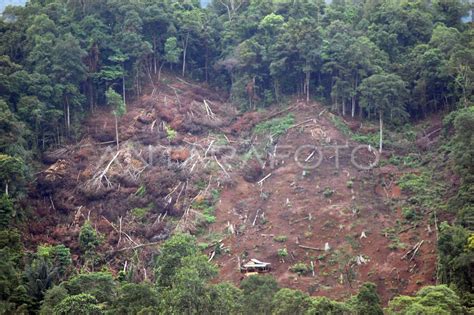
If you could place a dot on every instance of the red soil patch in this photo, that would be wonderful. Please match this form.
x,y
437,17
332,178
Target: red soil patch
x,y
339,219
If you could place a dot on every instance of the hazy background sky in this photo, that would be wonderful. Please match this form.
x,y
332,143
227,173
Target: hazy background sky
x,y
4,3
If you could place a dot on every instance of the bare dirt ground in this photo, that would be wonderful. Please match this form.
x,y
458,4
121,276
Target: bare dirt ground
x,y
171,159
347,208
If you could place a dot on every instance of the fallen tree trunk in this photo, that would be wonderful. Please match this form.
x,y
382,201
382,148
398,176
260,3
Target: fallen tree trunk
x,y
134,247
312,248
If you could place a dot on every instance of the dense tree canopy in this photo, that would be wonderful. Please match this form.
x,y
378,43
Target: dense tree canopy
x,y
59,58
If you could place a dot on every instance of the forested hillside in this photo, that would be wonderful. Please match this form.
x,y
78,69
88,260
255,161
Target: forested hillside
x,y
117,117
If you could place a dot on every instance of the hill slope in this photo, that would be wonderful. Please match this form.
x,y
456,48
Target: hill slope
x,y
298,212
188,162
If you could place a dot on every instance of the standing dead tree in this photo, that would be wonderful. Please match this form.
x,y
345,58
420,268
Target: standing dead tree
x,y
97,179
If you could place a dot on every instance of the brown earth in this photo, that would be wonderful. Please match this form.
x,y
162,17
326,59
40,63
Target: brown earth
x,y
171,157
291,194
142,189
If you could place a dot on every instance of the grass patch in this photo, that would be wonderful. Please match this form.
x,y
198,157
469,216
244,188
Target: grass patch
x,y
207,206
276,126
141,213
424,192
341,125
371,138
392,234
411,160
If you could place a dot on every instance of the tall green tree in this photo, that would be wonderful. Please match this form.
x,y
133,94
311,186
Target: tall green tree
x,y
81,304
68,71
367,300
384,94
136,298
190,291
429,300
115,100
170,259
288,301
258,293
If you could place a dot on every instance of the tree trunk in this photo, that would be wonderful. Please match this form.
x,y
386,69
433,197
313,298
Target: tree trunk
x,y
354,97
68,116
123,84
185,48
117,133
159,71
381,131
154,54
343,107
308,77
353,106
276,87
91,94
206,63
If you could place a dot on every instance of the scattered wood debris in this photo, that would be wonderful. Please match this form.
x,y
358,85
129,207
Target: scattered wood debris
x,y
413,250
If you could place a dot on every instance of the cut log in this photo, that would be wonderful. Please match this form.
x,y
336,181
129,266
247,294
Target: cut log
x,y
413,250
134,247
260,182
299,220
256,215
311,248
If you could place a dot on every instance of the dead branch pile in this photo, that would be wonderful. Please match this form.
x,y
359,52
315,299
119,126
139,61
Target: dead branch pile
x,y
51,157
121,168
54,175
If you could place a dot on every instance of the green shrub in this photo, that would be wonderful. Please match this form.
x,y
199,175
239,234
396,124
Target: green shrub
x,y
424,191
328,192
203,245
406,161
300,268
371,138
209,218
409,213
207,206
88,237
282,252
170,133
58,255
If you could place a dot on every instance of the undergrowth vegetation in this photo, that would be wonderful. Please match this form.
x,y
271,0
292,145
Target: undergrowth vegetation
x,y
276,126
